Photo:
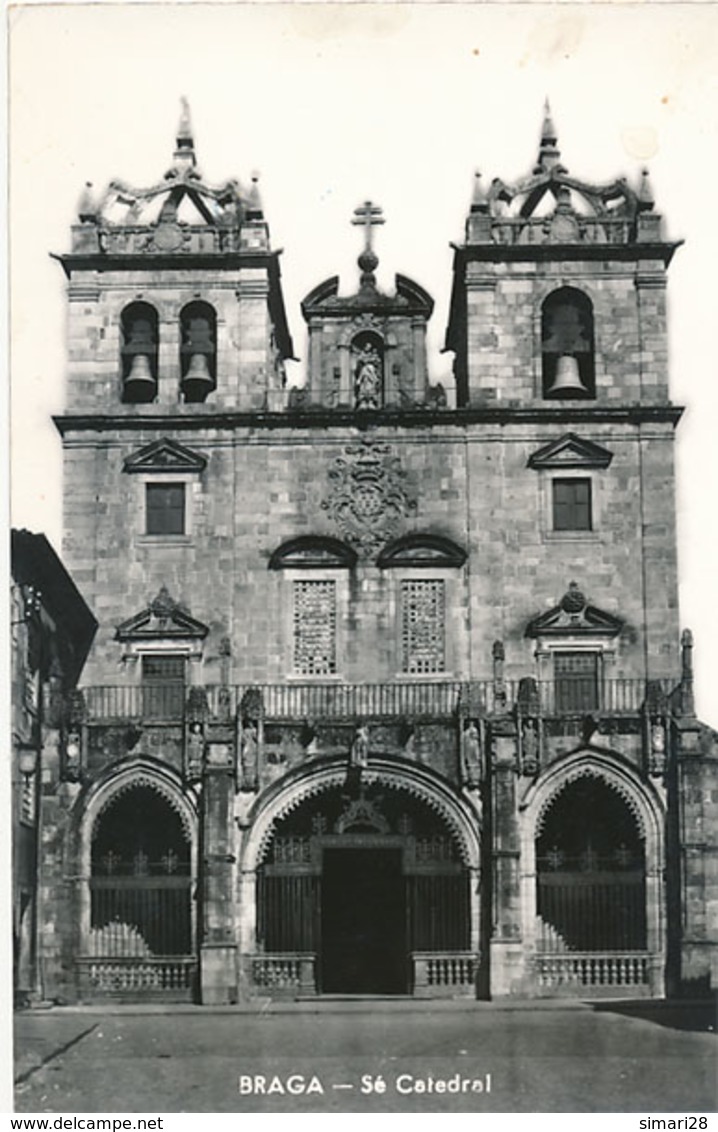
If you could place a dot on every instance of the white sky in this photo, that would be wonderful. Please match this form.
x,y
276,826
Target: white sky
x,y
337,103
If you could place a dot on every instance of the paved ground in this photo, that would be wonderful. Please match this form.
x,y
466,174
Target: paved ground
x,y
519,1058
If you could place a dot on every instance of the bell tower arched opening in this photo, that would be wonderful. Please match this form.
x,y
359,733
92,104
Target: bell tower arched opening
x,y
567,345
198,352
139,326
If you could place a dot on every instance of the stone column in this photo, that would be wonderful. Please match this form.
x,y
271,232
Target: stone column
x,y
218,972
418,327
693,860
346,389
482,341
507,973
254,335
169,373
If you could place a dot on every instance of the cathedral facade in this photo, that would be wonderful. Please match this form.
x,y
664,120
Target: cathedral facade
x,y
388,694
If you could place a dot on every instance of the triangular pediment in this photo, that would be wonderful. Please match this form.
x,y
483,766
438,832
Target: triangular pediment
x,y
574,616
165,456
570,451
163,619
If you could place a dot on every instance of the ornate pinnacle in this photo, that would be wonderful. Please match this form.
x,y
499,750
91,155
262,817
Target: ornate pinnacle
x,y
548,130
645,192
549,153
184,153
479,203
184,130
86,206
254,200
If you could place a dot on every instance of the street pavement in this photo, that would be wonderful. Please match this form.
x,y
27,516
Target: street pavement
x,y
384,1057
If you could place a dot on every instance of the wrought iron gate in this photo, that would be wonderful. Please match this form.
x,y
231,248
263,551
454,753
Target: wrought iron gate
x,y
591,929
141,926
433,892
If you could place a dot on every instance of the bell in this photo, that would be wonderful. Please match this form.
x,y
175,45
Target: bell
x,y
198,381
567,381
140,385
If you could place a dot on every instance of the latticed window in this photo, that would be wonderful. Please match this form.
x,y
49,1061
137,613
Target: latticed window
x,y
422,626
314,628
163,686
576,676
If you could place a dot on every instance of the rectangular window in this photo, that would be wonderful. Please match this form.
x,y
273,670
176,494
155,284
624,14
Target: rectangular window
x,y
163,686
165,508
422,626
572,505
314,628
576,681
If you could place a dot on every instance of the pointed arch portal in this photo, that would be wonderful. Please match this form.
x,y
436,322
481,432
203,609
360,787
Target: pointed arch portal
x,y
139,936
593,856
371,882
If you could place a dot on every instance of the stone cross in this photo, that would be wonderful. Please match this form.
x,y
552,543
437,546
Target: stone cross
x,y
368,215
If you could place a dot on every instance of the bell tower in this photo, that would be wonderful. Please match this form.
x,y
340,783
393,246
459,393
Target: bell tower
x,y
174,296
559,291
558,327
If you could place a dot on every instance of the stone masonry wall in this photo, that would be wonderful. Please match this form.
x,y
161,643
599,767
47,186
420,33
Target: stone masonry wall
x,y
504,328
260,489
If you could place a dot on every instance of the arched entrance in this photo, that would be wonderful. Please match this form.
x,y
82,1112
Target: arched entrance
x,y
140,933
590,872
594,875
369,886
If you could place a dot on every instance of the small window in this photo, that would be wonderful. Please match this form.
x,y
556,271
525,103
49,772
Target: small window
x,y
422,626
163,681
165,509
572,505
314,628
576,681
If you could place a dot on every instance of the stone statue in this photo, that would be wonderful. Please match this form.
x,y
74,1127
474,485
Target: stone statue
x,y
367,385
359,754
530,745
471,754
249,755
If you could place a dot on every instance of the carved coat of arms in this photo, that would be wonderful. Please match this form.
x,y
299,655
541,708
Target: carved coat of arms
x,y
368,495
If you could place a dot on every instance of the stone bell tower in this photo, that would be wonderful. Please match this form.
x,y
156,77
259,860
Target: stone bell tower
x,y
558,327
174,296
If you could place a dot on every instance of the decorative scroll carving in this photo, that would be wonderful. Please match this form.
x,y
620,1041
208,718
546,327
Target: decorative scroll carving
x,y
368,495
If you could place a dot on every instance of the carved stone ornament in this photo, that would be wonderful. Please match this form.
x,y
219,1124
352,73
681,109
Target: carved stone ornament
x,y
364,813
368,495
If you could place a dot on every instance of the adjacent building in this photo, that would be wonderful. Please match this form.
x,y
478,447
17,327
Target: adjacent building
x,y
51,630
388,693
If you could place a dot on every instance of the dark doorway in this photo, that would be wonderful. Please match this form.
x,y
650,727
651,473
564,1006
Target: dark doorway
x,y
363,922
